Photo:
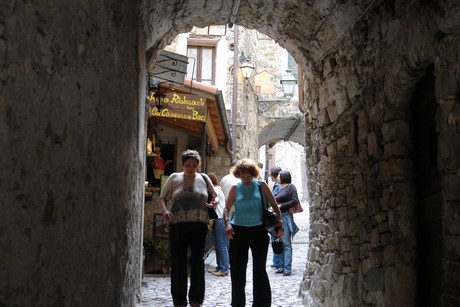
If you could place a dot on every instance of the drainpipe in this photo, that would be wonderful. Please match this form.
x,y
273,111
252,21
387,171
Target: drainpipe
x,y
267,153
235,8
235,89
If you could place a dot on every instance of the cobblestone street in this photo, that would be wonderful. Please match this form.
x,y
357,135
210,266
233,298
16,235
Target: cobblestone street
x,y
285,289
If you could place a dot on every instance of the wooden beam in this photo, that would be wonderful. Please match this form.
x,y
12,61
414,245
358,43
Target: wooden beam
x,y
211,132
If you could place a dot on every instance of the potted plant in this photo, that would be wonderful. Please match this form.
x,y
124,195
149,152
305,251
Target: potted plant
x,y
162,250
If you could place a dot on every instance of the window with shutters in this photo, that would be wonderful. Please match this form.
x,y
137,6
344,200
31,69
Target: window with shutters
x,y
202,67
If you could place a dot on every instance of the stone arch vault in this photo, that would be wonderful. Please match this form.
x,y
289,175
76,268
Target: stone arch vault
x,y
289,128
72,139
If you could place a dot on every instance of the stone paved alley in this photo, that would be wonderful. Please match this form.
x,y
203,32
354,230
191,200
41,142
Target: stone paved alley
x,y
156,288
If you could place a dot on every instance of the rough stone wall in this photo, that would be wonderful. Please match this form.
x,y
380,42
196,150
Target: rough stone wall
x,y
219,163
359,141
70,174
247,141
246,115
269,59
69,164
448,125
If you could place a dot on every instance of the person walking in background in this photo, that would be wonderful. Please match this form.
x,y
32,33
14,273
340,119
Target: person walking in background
x,y
229,180
188,218
159,164
220,237
247,231
287,198
274,171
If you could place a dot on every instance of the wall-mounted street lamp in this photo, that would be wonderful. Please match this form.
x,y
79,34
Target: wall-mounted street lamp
x,y
288,82
155,95
247,68
158,99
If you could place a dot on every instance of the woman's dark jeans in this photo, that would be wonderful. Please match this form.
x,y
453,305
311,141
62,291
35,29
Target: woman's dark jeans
x,y
183,236
256,239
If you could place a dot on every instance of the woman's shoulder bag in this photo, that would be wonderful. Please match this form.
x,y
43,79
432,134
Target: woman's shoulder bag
x,y
268,216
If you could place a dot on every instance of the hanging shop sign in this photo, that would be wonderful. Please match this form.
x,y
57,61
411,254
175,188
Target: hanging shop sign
x,y
170,68
182,106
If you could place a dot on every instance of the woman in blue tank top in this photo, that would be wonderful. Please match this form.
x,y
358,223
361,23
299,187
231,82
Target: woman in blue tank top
x,y
246,231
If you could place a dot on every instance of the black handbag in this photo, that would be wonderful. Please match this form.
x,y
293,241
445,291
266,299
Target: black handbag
x,y
277,246
211,212
268,217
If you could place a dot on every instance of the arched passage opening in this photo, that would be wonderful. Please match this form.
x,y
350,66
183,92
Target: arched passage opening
x,y
290,128
72,106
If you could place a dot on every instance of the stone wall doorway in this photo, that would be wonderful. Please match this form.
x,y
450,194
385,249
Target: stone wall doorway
x,y
428,192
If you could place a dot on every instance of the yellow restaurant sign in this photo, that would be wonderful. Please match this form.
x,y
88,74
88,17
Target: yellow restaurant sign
x,y
182,106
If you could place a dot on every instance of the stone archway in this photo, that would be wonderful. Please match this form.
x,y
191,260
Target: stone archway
x,y
288,129
71,169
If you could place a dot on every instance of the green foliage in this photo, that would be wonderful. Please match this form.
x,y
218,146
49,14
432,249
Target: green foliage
x,y
149,246
158,248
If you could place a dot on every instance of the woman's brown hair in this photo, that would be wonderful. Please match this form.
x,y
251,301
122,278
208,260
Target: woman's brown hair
x,y
213,178
245,166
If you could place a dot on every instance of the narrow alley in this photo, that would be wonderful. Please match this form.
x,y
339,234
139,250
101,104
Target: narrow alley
x,y
369,90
